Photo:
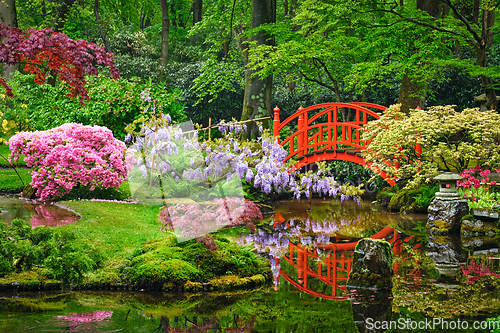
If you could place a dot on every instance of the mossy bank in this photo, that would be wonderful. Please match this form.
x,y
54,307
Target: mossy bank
x,y
119,246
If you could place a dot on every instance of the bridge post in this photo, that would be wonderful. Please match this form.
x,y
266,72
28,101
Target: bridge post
x,y
276,123
300,136
305,123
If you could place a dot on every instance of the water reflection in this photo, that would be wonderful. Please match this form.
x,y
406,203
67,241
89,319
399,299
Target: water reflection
x,y
37,214
311,246
85,322
311,257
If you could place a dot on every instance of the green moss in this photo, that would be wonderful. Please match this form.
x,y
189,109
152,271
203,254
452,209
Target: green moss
x,y
441,228
193,286
36,276
469,217
232,282
408,200
157,272
163,261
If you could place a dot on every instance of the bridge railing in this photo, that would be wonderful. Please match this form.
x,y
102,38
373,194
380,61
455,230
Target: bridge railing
x,y
333,268
323,130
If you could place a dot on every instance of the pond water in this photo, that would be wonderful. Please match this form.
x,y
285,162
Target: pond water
x,y
36,213
440,284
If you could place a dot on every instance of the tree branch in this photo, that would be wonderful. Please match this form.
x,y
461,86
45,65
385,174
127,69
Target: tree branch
x,y
321,83
463,20
425,24
380,25
325,68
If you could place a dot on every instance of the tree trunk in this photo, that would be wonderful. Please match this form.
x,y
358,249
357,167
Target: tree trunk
x,y
483,47
258,91
99,26
412,92
8,15
165,27
197,11
61,15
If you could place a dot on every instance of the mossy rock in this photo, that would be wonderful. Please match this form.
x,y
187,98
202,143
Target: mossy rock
x,y
157,272
371,265
384,195
28,192
163,261
404,198
476,227
440,228
233,282
193,286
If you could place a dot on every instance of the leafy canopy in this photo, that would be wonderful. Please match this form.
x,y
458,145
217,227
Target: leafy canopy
x,y
45,50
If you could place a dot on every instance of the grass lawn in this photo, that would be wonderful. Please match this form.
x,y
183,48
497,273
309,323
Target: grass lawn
x,y
5,152
117,229
10,182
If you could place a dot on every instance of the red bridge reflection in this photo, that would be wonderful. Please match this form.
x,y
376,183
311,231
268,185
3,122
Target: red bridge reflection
x,y
330,270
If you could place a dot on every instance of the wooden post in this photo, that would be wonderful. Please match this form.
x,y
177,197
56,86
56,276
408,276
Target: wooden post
x,y
209,128
276,123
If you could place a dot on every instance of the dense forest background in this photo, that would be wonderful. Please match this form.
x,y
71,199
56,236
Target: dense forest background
x,y
240,58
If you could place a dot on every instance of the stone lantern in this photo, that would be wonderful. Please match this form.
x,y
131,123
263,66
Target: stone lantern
x,y
448,186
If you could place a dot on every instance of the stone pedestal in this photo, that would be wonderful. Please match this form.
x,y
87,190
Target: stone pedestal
x,y
371,265
447,254
445,213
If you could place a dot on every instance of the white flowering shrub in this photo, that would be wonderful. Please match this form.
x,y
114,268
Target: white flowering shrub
x,y
450,141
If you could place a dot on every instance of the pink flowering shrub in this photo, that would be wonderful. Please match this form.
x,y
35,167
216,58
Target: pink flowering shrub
x,y
70,155
476,270
198,219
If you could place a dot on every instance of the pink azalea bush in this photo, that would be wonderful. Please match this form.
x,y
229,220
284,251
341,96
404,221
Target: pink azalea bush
x,y
198,219
70,155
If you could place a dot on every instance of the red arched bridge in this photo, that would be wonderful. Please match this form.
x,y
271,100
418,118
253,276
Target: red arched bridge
x,y
322,136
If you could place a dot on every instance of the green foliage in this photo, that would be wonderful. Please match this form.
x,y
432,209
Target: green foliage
x,y
164,261
409,200
113,103
113,193
347,172
450,141
385,194
495,324
59,251
424,199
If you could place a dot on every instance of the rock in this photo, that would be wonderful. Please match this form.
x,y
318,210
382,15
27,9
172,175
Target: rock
x,y
478,228
485,215
28,192
445,215
371,265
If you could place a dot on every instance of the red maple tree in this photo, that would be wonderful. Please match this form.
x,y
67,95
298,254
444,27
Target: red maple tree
x,y
44,51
